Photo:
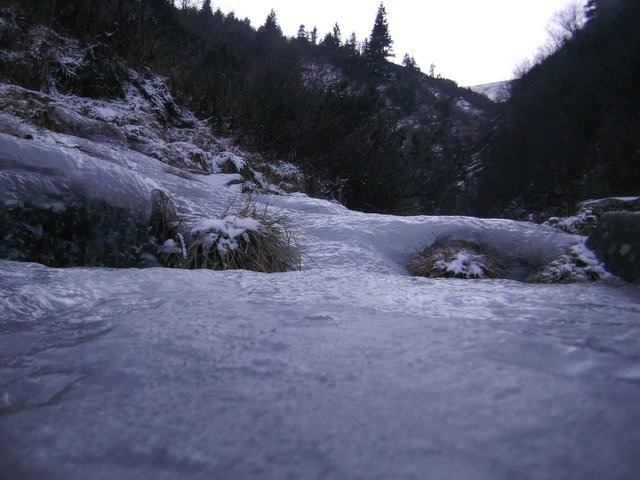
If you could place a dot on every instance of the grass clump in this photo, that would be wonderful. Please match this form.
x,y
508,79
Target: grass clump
x,y
455,259
248,238
578,264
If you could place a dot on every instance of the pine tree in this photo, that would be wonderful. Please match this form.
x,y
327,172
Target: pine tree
x,y
206,8
379,44
410,63
333,39
302,33
337,34
271,26
352,43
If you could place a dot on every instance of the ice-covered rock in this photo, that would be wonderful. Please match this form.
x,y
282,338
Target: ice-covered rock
x,y
616,242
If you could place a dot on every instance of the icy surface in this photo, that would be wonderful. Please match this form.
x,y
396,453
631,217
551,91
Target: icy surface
x,y
350,369
331,373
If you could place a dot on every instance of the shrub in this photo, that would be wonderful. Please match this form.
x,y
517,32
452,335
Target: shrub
x,y
455,259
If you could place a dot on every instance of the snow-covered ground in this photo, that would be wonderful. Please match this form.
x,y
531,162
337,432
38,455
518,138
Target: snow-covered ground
x,y
496,91
350,369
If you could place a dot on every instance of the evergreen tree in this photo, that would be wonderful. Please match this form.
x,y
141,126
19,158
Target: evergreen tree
x,y
337,34
206,8
271,26
352,43
314,35
332,39
379,44
410,63
302,33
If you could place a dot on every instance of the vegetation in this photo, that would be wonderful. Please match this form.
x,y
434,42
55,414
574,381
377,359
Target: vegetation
x,y
455,259
578,264
371,133
569,130
375,135
249,239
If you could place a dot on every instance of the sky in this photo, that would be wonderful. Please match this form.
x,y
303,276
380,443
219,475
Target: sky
x,y
469,41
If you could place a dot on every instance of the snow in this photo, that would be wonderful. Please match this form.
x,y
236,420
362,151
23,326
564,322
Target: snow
x,y
588,203
465,106
223,233
222,180
462,264
322,76
350,368
496,91
342,373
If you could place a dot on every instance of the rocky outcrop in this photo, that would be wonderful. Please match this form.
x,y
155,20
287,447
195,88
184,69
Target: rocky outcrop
x,y
612,204
62,207
616,242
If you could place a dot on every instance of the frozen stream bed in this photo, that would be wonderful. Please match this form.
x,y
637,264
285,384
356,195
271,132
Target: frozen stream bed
x,y
329,373
350,369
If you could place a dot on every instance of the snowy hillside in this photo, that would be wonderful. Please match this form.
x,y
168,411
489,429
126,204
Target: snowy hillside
x,y
496,91
350,368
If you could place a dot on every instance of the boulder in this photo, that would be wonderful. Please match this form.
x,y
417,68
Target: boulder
x,y
62,207
616,242
612,204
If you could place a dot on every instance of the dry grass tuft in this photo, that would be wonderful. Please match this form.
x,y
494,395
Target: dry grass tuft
x,y
455,259
578,264
247,238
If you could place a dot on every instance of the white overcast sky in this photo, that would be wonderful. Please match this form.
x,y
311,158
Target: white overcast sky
x,y
469,41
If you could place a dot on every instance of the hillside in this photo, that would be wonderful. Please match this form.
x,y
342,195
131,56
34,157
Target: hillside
x,y
375,136
495,91
569,131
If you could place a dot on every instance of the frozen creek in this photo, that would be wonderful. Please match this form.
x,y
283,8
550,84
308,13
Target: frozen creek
x,y
350,369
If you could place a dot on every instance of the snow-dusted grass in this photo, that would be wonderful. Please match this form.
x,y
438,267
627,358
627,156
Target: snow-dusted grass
x,y
579,264
248,238
583,223
455,260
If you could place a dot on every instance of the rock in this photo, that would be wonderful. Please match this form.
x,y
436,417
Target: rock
x,y
67,121
612,204
62,207
616,242
588,214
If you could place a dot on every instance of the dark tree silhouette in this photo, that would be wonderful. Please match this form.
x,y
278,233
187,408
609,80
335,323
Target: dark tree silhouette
x,y
379,45
302,33
206,8
410,62
271,26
